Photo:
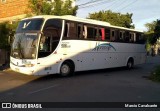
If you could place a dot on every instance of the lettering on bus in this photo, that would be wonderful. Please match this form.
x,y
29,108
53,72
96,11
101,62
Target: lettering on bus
x,y
104,47
65,45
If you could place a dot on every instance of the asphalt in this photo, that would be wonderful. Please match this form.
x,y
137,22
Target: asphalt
x,y
110,85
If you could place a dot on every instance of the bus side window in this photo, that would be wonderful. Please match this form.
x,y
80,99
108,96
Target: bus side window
x,y
112,36
70,30
50,37
66,30
91,32
142,38
107,34
127,36
45,45
121,36
98,33
80,31
132,37
139,38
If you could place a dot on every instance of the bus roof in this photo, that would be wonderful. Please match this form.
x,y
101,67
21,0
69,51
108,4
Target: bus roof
x,y
83,20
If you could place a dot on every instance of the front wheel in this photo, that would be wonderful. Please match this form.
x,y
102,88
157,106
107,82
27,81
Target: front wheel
x,y
67,69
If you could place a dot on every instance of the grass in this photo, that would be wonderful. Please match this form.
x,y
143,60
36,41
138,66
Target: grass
x,y
155,75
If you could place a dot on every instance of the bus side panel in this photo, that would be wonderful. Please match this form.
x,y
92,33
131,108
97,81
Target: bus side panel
x,y
90,55
49,64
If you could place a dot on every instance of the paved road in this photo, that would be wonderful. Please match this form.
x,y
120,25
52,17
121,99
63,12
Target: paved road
x,y
110,85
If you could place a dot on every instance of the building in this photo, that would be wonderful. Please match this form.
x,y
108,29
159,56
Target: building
x,y
11,10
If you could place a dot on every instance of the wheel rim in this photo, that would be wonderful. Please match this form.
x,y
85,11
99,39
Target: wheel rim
x,y
129,64
65,69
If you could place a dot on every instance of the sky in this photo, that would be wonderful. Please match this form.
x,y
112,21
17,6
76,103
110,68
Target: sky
x,y
144,11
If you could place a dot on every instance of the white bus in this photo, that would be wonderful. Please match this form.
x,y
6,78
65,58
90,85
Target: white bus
x,y
65,44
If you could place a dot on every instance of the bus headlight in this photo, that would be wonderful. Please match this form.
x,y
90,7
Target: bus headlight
x,y
29,65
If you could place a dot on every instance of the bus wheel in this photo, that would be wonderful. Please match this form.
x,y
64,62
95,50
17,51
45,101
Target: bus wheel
x,y
130,63
67,69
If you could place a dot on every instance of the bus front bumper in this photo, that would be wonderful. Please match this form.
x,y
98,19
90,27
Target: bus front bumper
x,y
23,70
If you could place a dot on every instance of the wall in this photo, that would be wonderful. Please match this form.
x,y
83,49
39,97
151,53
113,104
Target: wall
x,y
12,9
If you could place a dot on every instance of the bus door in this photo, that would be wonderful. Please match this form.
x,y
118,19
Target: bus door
x,y
47,47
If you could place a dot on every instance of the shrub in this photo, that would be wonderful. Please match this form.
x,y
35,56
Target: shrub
x,y
6,33
155,76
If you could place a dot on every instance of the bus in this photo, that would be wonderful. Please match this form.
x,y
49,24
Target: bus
x,y
65,44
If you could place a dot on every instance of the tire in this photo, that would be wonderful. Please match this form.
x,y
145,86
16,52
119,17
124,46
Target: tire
x,y
67,69
130,64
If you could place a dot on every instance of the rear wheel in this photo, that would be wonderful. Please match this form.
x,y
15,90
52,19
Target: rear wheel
x,y
67,69
130,64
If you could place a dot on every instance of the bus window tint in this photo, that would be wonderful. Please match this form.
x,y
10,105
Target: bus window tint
x,y
132,37
90,32
127,36
98,33
80,31
50,38
66,30
113,38
54,27
139,38
70,30
121,36
107,34
45,46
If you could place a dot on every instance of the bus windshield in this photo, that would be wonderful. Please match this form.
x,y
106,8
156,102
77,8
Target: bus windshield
x,y
25,45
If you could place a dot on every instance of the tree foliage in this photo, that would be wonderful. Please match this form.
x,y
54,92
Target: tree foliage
x,y
150,26
6,33
58,7
3,36
157,29
118,19
153,31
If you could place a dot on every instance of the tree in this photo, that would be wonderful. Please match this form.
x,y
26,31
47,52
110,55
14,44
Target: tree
x,y
151,26
3,36
157,30
6,32
58,7
153,31
118,19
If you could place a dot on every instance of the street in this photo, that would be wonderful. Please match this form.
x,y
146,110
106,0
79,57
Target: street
x,y
109,85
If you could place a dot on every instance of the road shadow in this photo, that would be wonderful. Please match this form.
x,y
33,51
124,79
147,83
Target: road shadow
x,y
104,72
